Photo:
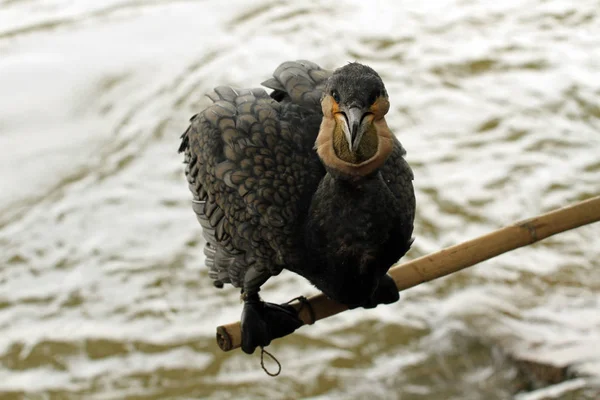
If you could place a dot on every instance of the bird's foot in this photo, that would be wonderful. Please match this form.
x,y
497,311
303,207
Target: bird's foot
x,y
262,322
386,293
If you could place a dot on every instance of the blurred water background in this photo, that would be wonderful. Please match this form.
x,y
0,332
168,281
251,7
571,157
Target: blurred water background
x,y
103,293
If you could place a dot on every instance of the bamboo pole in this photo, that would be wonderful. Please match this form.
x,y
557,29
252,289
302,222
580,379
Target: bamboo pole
x,y
449,260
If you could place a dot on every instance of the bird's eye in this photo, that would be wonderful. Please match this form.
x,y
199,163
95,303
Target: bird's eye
x,y
373,96
336,96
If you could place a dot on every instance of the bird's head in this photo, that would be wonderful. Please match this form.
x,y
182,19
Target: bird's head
x,y
354,137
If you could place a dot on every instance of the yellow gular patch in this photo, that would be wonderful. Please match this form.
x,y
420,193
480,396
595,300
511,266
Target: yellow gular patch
x,y
368,145
340,144
376,144
329,106
380,107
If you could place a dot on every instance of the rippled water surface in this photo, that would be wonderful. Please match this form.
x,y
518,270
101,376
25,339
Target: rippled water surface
x,y
103,293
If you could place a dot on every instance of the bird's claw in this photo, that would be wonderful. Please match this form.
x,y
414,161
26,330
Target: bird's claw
x,y
262,322
386,293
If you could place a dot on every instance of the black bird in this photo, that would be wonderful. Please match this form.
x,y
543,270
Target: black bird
x,y
308,178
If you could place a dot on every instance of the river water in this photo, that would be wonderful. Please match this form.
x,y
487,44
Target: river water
x,y
103,293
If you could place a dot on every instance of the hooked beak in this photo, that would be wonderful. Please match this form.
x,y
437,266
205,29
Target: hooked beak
x,y
353,127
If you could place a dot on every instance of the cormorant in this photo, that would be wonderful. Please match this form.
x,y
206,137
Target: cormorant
x,y
308,178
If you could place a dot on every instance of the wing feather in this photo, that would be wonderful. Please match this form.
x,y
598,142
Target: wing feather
x,y
399,176
251,169
300,82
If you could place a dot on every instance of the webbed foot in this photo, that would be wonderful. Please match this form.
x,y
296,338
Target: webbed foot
x,y
262,322
386,293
